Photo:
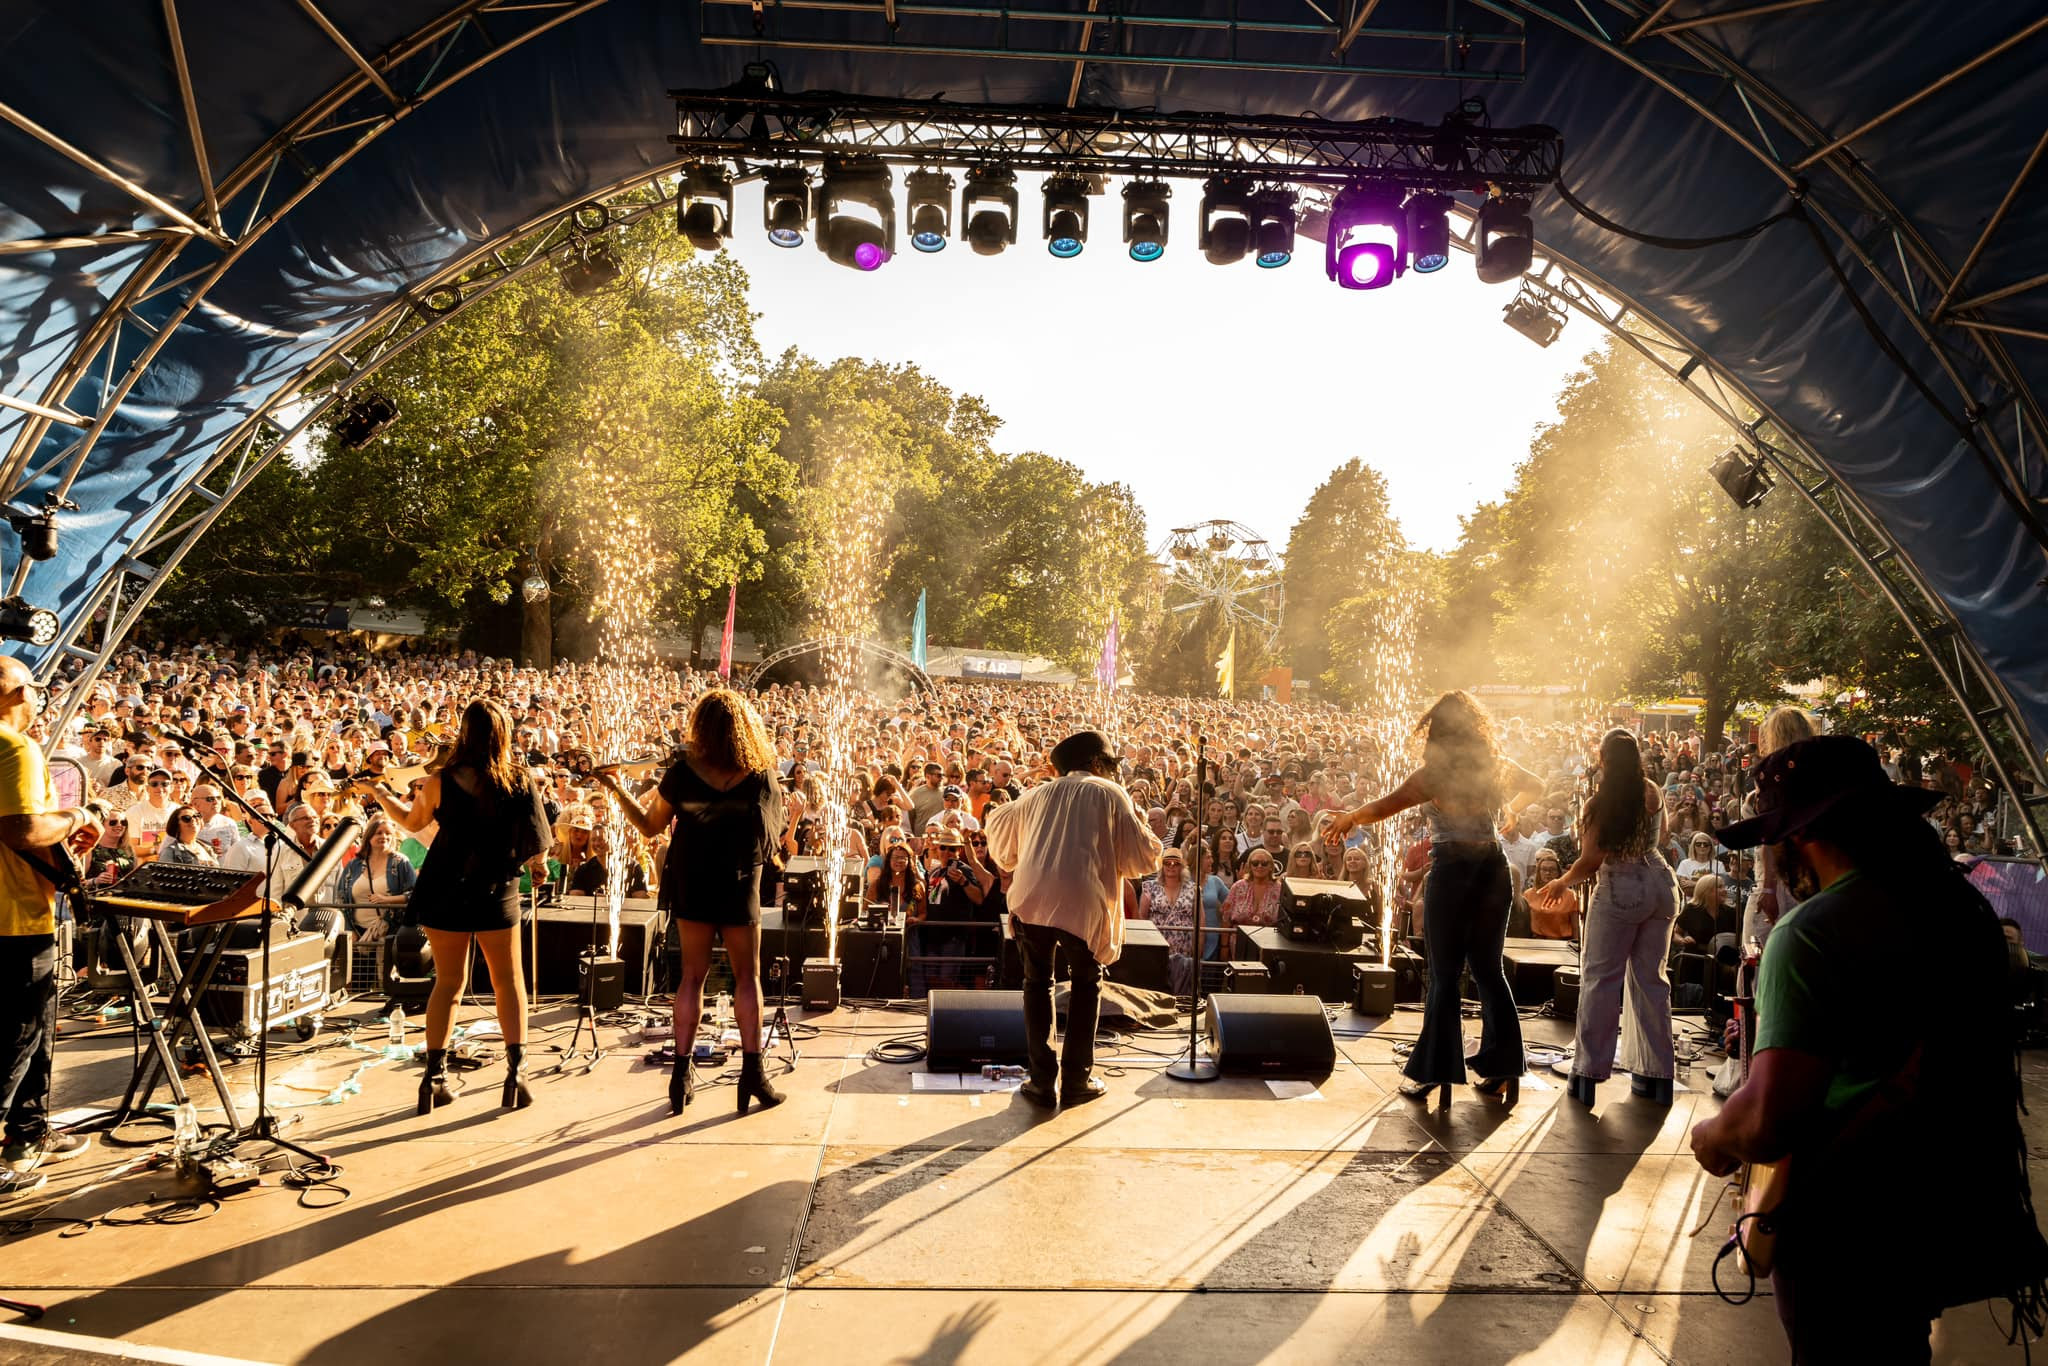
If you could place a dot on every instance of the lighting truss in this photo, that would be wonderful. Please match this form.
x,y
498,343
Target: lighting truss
x,y
751,123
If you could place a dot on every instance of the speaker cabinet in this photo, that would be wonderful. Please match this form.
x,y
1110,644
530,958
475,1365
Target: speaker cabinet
x,y
1271,1036
1144,960
965,1031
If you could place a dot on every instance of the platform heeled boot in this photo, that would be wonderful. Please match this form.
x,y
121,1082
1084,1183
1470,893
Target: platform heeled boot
x,y
1657,1089
434,1089
682,1084
1581,1089
754,1084
517,1097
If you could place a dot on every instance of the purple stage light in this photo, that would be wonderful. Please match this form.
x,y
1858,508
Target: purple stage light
x,y
869,256
1366,265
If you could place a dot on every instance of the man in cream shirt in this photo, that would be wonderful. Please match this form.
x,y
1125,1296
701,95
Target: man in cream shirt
x,y
1068,845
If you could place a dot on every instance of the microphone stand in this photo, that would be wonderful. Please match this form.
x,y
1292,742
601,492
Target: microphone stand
x,y
1194,1067
264,1127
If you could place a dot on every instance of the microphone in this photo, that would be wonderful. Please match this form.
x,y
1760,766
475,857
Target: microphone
x,y
319,869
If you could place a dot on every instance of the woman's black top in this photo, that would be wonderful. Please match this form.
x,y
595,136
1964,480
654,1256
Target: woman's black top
x,y
713,871
470,881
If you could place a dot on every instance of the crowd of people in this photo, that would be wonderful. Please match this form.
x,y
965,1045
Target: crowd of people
x,y
289,731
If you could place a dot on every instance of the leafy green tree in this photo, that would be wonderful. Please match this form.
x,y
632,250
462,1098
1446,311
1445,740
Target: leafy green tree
x,y
1341,548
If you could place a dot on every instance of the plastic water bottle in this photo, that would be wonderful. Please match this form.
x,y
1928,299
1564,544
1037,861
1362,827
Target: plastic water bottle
x,y
185,1139
397,1021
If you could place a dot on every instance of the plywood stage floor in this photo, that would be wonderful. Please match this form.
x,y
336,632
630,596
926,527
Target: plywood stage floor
x,y
869,1221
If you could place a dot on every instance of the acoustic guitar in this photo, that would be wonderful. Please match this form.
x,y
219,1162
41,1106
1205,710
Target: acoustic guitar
x,y
1759,1187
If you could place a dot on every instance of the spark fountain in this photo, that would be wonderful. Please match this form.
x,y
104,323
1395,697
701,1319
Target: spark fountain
x,y
855,506
624,602
1392,696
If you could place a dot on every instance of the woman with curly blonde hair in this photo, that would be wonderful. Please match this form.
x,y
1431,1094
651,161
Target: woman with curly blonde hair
x,y
722,795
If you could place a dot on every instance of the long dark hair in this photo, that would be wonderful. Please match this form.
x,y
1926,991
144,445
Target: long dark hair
x,y
1459,754
1618,817
484,746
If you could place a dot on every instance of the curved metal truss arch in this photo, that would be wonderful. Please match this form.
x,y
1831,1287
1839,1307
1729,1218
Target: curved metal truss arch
x,y
330,132
869,649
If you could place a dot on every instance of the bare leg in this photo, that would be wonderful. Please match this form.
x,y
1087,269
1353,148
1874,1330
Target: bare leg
x,y
451,979
508,985
695,939
743,951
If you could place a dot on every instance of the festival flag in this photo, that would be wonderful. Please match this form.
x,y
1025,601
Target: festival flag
x,y
1105,671
1226,667
917,632
732,602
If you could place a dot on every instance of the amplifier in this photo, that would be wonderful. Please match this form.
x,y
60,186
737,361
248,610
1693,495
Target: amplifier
x,y
562,934
237,998
1322,970
1249,977
1144,959
1532,966
1323,911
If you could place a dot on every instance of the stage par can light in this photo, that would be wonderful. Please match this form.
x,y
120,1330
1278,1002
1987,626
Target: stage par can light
x,y
1429,232
588,267
1273,228
1145,218
1502,240
857,215
1224,229
704,206
785,206
363,418
1065,216
1741,477
988,206
1367,247
1536,314
929,203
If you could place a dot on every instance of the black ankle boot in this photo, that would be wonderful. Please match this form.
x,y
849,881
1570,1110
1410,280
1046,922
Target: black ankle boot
x,y
1657,1089
517,1097
682,1084
434,1090
754,1084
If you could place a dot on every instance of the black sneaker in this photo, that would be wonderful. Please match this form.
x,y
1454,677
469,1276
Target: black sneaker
x,y
29,1154
14,1183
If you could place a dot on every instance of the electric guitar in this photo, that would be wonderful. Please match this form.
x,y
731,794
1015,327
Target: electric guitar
x,y
1759,1187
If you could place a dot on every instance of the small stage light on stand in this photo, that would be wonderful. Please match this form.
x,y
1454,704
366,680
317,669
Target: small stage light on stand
x,y
1535,313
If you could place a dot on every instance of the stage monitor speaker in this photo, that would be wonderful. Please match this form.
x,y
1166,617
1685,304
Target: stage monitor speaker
x,y
1322,911
967,1030
1144,962
1271,1036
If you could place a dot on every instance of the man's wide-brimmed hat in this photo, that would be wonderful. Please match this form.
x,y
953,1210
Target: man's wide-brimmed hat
x,y
1797,785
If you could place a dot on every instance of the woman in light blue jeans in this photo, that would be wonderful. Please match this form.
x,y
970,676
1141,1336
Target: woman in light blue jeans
x,y
1628,929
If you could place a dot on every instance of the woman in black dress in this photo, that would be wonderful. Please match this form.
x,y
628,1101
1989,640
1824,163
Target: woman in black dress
x,y
492,822
729,821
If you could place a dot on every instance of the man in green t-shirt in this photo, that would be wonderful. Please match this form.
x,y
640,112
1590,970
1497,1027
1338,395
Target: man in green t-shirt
x,y
1905,1186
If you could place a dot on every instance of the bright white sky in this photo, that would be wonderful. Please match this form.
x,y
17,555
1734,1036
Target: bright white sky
x,y
1211,391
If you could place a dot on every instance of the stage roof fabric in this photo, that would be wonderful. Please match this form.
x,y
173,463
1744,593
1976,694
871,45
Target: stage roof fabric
x,y
506,113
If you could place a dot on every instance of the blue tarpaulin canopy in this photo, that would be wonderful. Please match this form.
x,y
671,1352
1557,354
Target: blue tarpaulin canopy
x,y
155,298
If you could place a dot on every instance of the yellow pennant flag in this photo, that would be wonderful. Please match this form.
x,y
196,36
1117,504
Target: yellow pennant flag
x,y
1226,667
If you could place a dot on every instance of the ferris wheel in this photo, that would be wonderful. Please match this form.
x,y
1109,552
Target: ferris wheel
x,y
1226,563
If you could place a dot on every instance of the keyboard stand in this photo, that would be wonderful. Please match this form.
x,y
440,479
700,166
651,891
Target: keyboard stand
x,y
180,1013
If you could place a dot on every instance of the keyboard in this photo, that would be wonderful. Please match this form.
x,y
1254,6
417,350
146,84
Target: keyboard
x,y
185,893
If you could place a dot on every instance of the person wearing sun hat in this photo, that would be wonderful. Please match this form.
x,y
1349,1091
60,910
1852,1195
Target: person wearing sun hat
x,y
1882,1039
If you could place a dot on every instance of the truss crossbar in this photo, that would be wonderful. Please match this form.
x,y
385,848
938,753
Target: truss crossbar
x,y
1295,150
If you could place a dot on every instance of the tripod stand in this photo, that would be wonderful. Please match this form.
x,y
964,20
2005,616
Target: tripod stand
x,y
1192,1066
778,1023
586,1006
304,890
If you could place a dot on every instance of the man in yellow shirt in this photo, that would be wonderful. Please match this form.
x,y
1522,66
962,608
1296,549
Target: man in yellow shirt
x,y
31,826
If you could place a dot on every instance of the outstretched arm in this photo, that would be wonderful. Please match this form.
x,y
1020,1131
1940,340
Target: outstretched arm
x,y
1414,792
